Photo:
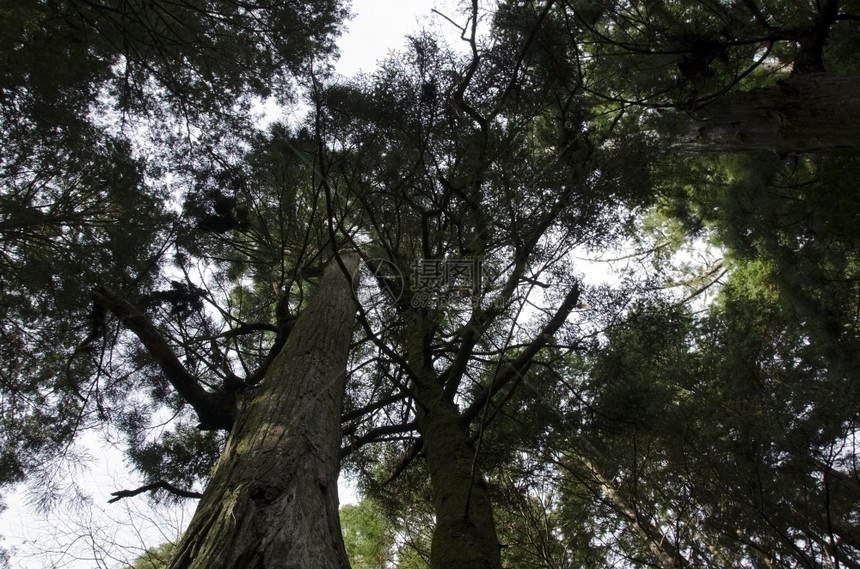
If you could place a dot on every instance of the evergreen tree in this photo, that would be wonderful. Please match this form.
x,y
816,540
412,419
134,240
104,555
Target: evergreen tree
x,y
208,274
720,76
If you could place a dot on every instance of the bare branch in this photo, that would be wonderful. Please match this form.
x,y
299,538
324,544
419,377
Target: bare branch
x,y
374,434
163,484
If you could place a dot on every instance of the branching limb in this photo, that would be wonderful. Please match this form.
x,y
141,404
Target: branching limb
x,y
405,461
355,414
214,410
162,484
374,434
515,370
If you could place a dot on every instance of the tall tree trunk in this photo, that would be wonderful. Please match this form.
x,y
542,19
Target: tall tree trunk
x,y
272,499
465,534
805,113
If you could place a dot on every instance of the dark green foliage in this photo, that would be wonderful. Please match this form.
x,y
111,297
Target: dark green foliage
x,y
202,54
721,432
214,206
182,298
797,217
183,456
634,393
713,434
644,431
688,53
726,437
97,105
68,225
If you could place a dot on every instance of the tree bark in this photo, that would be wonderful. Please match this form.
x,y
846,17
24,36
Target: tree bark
x,y
272,499
465,534
805,113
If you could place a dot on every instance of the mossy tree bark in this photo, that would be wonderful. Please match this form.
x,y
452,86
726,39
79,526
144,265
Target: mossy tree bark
x,y
272,499
465,535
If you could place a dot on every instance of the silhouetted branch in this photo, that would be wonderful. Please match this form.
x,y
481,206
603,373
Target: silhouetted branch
x,y
163,484
214,413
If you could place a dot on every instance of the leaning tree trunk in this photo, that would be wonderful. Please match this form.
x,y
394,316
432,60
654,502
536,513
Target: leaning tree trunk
x,y
804,113
272,499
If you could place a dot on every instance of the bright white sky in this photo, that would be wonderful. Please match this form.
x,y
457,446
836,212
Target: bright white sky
x,y
379,27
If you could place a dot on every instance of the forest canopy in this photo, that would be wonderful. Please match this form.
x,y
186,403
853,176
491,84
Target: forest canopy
x,y
575,285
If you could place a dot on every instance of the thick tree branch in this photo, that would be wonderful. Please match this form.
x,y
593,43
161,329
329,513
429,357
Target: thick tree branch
x,y
810,112
163,484
810,56
515,370
241,330
215,410
374,434
405,460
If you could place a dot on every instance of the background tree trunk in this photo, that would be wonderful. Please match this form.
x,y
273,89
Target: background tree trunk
x,y
272,499
465,535
805,113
